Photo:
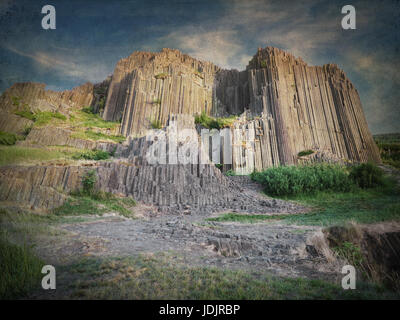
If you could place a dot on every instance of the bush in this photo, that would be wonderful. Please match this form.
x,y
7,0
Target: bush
x,y
26,114
162,75
92,155
294,180
9,139
230,173
88,110
89,181
214,123
156,124
305,153
367,175
40,117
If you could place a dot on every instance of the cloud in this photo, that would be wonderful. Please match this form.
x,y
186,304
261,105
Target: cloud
x,y
221,47
381,96
62,64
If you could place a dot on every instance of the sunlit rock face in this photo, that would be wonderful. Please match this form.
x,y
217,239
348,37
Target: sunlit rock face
x,y
283,105
290,106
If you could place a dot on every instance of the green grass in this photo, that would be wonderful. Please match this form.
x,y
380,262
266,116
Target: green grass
x,y
16,154
96,204
9,139
156,124
145,277
214,123
95,136
389,147
91,155
26,114
41,118
85,118
20,269
335,208
362,206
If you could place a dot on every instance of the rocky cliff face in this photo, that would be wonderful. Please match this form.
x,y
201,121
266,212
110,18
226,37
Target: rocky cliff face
x,y
33,97
285,105
296,107
150,86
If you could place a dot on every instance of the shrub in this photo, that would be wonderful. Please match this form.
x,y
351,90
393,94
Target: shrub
x,y
350,252
263,64
305,153
44,117
214,123
156,124
89,181
92,155
230,173
367,175
26,114
162,75
88,110
9,139
293,180
41,117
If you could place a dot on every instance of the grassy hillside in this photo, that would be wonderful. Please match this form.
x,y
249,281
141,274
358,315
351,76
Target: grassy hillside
x,y
389,147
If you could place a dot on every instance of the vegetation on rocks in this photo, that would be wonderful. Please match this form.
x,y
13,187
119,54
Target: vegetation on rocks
x,y
16,154
156,124
91,155
214,123
162,75
9,139
96,136
41,118
305,153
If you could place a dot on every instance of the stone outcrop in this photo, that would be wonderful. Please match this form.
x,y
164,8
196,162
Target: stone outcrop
x,y
33,96
290,106
151,86
172,188
285,105
52,136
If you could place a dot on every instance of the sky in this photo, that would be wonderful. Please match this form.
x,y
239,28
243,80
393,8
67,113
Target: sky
x,y
92,35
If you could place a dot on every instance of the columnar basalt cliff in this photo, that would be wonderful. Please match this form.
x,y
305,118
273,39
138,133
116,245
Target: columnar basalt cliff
x,y
151,86
290,106
283,106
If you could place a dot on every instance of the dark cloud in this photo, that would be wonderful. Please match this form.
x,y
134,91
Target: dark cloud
x,y
91,36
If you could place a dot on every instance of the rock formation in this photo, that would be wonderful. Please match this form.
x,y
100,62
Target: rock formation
x,y
283,107
290,106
